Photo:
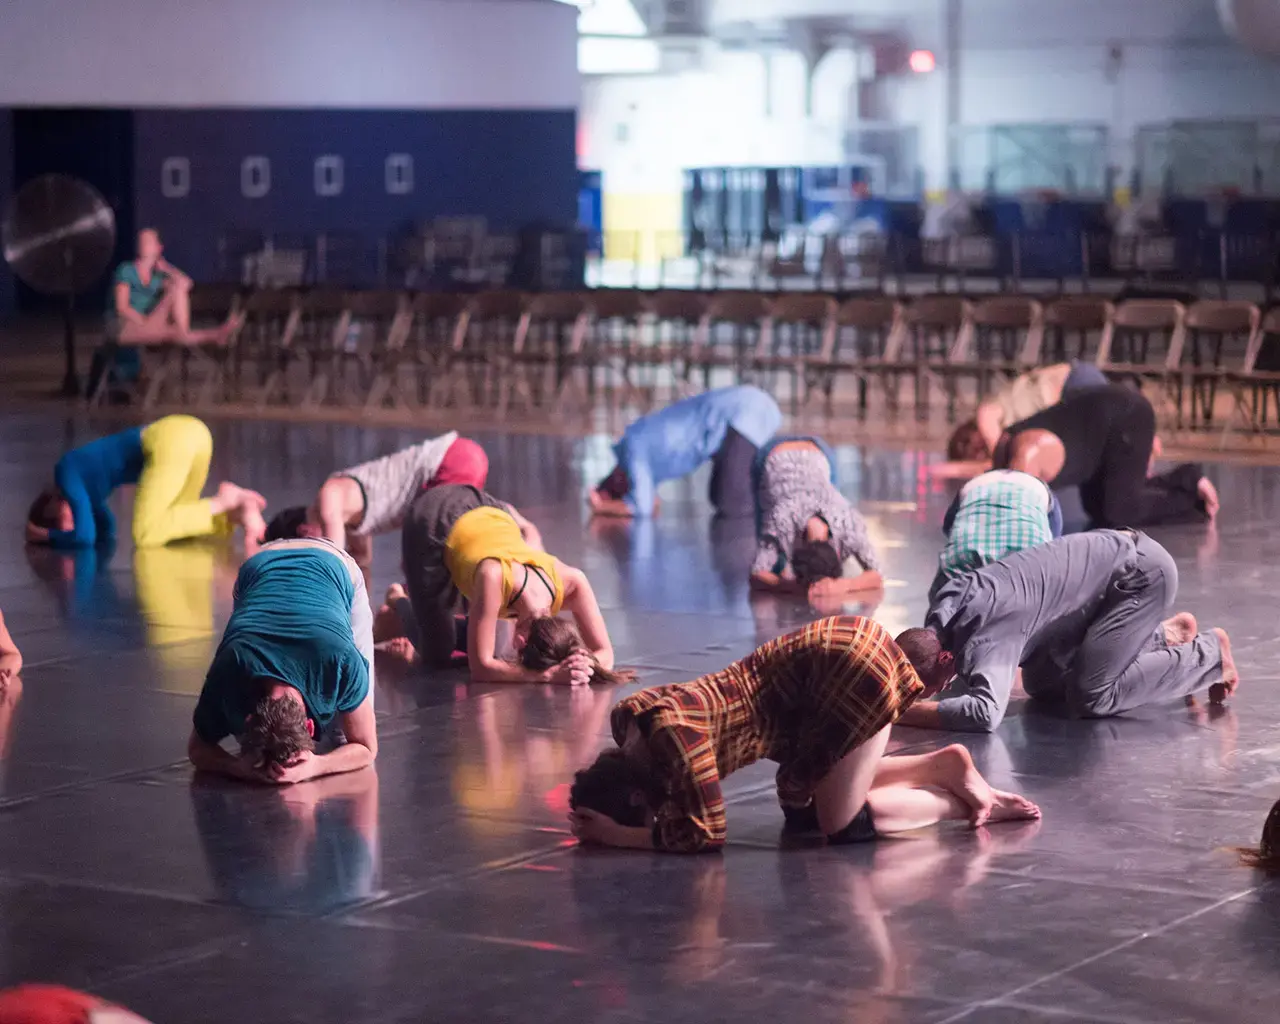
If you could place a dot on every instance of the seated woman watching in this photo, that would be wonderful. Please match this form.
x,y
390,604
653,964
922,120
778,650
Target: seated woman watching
x,y
819,702
460,542
150,304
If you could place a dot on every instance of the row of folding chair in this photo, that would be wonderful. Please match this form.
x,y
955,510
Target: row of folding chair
x,y
498,348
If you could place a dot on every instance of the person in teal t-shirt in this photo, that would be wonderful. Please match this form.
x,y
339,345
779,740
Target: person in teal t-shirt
x,y
296,658
150,304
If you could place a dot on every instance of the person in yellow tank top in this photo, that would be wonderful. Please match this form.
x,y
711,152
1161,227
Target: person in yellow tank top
x,y
458,543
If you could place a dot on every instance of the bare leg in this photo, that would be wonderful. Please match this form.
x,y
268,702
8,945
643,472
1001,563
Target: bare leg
x,y
919,790
840,795
10,656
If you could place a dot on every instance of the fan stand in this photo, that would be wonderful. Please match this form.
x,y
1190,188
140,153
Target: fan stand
x,y
70,378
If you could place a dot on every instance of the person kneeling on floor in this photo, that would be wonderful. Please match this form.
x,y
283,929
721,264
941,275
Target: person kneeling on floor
x,y
820,702
296,658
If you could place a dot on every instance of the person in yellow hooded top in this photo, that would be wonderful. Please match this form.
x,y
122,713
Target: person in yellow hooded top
x,y
460,543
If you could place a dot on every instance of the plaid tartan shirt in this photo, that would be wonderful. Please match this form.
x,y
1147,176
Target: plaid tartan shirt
x,y
994,515
804,700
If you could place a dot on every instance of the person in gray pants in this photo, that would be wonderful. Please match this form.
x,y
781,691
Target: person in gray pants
x,y
1081,620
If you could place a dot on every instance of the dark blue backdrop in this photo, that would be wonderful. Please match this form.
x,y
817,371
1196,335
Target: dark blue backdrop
x,y
514,167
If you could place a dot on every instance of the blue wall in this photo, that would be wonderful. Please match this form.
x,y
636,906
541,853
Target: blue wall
x,y
514,167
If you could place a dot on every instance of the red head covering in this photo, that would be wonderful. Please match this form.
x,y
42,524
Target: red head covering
x,y
52,1004
464,463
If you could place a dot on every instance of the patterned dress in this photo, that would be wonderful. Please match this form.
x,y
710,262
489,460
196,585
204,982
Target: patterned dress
x,y
804,700
795,485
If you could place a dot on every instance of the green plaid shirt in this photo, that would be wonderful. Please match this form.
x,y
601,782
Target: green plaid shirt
x,y
995,515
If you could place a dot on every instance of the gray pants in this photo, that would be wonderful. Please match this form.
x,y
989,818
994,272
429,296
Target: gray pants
x,y
1123,662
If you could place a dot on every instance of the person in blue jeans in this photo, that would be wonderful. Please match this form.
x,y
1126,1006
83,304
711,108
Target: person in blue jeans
x,y
727,427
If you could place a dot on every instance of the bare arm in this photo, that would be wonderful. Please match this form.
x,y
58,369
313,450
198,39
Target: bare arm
x,y
615,507
837,587
482,632
923,714
990,422
361,749
209,757
773,583
580,602
123,310
175,276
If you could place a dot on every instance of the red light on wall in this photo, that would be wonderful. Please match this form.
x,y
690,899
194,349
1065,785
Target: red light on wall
x,y
922,61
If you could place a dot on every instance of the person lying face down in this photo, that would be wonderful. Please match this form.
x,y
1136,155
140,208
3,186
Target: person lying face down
x,y
808,532
1103,440
820,702
1081,621
726,426
459,543
354,505
169,461
972,443
296,658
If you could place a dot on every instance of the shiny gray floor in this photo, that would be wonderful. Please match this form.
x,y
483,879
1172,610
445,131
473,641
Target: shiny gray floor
x,y
445,887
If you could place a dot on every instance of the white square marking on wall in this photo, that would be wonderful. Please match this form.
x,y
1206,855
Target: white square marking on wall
x,y
329,175
255,177
399,174
175,177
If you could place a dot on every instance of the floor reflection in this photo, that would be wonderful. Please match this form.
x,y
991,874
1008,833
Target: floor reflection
x,y
309,849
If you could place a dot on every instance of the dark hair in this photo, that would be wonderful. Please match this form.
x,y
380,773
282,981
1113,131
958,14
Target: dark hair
x,y
1267,856
551,640
617,485
276,732
922,648
285,524
816,560
967,444
44,510
609,786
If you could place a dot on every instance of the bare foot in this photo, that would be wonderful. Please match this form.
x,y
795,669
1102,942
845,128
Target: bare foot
x,y
1181,629
398,649
966,782
1209,495
1011,807
1219,692
386,624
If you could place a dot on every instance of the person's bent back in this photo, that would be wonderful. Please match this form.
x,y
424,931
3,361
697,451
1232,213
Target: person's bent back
x,y
295,658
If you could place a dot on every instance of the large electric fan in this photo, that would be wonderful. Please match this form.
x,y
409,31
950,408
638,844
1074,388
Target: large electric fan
x,y
59,237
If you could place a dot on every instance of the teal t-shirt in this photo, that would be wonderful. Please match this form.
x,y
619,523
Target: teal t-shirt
x,y
291,622
143,298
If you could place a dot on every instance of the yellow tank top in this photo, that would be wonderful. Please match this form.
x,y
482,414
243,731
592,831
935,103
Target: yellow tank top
x,y
492,533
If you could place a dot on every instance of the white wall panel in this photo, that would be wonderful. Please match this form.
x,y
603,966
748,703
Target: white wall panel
x,y
416,54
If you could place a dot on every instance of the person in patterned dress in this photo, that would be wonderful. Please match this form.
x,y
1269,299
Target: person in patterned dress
x,y
810,539
819,702
995,514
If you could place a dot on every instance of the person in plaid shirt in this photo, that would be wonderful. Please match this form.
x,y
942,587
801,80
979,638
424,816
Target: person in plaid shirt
x,y
820,702
996,514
